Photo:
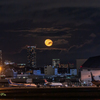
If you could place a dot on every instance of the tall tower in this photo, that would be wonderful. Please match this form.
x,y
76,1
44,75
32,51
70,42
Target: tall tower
x,y
31,56
55,62
0,57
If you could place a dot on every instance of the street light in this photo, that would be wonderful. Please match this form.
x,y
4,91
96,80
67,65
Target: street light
x,y
0,71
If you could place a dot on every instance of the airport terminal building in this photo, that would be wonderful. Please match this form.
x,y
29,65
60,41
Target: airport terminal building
x,y
91,65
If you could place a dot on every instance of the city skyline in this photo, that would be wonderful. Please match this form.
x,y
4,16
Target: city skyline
x,y
72,25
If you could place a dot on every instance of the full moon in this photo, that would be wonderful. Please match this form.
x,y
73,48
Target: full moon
x,y
48,42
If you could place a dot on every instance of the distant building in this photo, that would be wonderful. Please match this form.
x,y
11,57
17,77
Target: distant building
x,y
21,68
0,57
10,73
62,70
50,70
31,56
37,72
6,62
55,62
63,65
79,63
21,65
71,65
73,72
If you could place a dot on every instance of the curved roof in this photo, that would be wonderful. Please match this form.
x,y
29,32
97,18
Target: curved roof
x,y
92,62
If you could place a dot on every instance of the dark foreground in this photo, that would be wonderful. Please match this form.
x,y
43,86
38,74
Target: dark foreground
x,y
21,93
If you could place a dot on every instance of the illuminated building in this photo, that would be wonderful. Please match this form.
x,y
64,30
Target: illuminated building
x,y
91,65
62,70
0,57
71,66
21,65
63,65
73,71
37,72
21,68
50,70
55,62
31,56
8,62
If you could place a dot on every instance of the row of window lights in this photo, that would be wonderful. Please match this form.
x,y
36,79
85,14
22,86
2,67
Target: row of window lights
x,y
23,77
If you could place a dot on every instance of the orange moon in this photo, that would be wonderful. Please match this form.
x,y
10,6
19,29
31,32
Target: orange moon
x,y
48,42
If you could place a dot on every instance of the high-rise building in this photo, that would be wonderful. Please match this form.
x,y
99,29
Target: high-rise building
x,y
0,57
31,56
55,62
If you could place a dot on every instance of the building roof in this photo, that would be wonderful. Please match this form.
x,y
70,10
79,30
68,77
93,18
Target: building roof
x,y
92,62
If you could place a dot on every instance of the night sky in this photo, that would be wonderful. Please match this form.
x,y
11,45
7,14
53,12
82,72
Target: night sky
x,y
73,25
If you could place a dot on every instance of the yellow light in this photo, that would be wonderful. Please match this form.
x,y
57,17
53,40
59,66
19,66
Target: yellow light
x,y
0,72
48,42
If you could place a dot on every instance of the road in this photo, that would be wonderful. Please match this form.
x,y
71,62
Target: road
x,y
68,92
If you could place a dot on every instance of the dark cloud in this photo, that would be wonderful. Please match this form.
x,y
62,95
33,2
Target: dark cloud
x,y
73,25
60,42
26,9
44,30
92,35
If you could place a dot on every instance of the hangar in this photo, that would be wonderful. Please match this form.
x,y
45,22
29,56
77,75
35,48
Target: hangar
x,y
91,65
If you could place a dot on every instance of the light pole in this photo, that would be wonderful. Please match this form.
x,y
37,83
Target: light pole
x,y
0,72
